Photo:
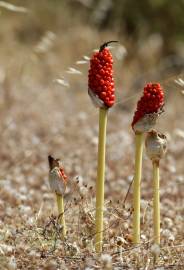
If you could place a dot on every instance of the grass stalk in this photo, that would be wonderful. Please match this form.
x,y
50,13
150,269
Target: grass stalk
x,y
100,180
156,203
60,204
139,139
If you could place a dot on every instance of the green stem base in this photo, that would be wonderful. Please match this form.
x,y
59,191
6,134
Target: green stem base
x,y
60,204
156,203
100,179
139,139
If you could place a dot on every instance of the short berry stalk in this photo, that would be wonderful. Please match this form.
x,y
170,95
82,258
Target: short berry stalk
x,y
60,204
101,91
58,181
156,202
148,110
156,146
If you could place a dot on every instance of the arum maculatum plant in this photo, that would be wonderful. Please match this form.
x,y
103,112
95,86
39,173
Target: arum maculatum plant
x,y
148,109
58,181
156,147
101,91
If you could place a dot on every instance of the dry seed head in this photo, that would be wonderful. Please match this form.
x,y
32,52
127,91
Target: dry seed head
x,y
146,123
57,178
156,145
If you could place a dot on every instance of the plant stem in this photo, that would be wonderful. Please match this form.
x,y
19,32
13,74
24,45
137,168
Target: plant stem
x,y
100,179
60,204
156,203
139,139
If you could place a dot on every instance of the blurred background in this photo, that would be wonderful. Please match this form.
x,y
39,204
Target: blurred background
x,y
43,38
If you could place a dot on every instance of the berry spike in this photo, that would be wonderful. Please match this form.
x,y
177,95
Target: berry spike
x,y
149,107
100,80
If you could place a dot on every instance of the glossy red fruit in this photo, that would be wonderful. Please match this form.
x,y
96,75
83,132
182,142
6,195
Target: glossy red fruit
x,y
100,80
152,101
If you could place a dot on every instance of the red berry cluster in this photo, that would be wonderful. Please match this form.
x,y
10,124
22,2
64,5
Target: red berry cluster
x,y
100,79
151,101
63,175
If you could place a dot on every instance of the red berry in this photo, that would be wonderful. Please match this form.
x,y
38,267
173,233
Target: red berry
x,y
151,101
100,79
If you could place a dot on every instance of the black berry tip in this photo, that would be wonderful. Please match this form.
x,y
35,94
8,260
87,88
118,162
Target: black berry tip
x,y
104,45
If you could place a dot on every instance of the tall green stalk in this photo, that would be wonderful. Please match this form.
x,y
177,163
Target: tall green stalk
x,y
60,204
156,203
139,139
100,179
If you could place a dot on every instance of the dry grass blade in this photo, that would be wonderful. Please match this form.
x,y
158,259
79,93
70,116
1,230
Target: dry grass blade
x,y
13,8
72,70
180,82
62,82
81,62
87,58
